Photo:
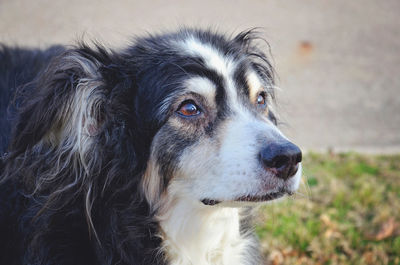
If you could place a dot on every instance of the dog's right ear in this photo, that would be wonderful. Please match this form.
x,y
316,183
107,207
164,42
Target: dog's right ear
x,y
72,130
65,103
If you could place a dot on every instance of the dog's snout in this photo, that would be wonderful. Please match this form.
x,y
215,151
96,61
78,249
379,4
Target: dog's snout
x,y
281,158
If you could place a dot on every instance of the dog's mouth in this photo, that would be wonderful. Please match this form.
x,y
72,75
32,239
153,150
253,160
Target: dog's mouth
x,y
251,198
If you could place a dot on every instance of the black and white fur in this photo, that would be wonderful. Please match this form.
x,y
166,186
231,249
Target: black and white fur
x,y
105,166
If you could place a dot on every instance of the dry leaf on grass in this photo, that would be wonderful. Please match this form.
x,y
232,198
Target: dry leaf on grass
x,y
386,230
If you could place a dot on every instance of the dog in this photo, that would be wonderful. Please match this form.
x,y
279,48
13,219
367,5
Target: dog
x,y
152,154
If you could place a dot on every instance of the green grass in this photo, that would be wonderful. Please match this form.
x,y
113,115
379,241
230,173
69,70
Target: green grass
x,y
346,212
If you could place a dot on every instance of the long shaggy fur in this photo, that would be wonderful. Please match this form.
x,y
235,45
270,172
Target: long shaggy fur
x,y
69,167
80,180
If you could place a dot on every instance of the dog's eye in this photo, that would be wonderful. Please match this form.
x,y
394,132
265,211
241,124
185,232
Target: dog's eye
x,y
261,99
188,109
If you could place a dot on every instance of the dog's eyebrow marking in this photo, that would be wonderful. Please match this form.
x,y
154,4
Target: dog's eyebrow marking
x,y
254,85
202,86
213,76
200,70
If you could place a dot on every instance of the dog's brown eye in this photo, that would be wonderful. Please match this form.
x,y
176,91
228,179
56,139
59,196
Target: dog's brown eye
x,y
261,99
189,108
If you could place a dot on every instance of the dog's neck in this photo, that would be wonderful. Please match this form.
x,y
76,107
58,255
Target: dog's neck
x,y
196,234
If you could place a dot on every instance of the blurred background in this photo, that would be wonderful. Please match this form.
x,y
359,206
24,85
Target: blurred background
x,y
338,66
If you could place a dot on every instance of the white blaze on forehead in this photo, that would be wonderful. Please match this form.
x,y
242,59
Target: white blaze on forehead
x,y
202,86
215,60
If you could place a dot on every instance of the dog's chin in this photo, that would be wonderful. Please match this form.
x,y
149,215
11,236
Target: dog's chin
x,y
288,188
248,200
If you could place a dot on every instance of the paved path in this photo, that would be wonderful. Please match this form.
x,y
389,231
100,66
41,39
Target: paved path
x,y
338,61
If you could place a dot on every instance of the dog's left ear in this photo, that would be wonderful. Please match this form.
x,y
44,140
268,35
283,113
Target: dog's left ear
x,y
252,44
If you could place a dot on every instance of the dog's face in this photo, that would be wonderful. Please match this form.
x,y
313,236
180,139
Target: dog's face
x,y
190,110
217,142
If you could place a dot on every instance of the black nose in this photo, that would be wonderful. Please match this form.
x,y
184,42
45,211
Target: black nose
x,y
283,158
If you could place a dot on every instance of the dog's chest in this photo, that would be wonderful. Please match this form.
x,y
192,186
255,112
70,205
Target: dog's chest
x,y
204,237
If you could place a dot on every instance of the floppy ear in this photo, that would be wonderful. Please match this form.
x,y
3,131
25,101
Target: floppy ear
x,y
53,143
251,43
65,104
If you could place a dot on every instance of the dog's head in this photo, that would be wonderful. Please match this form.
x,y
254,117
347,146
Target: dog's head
x,y
189,112
217,140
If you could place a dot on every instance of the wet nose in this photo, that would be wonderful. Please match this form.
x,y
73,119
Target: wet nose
x,y
281,158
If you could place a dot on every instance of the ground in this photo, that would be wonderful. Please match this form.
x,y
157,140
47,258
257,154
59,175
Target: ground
x,y
347,212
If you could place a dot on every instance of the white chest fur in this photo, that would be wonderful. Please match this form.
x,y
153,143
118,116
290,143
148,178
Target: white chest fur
x,y
203,235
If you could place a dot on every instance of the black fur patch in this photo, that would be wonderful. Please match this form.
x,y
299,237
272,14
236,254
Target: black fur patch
x,y
18,67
